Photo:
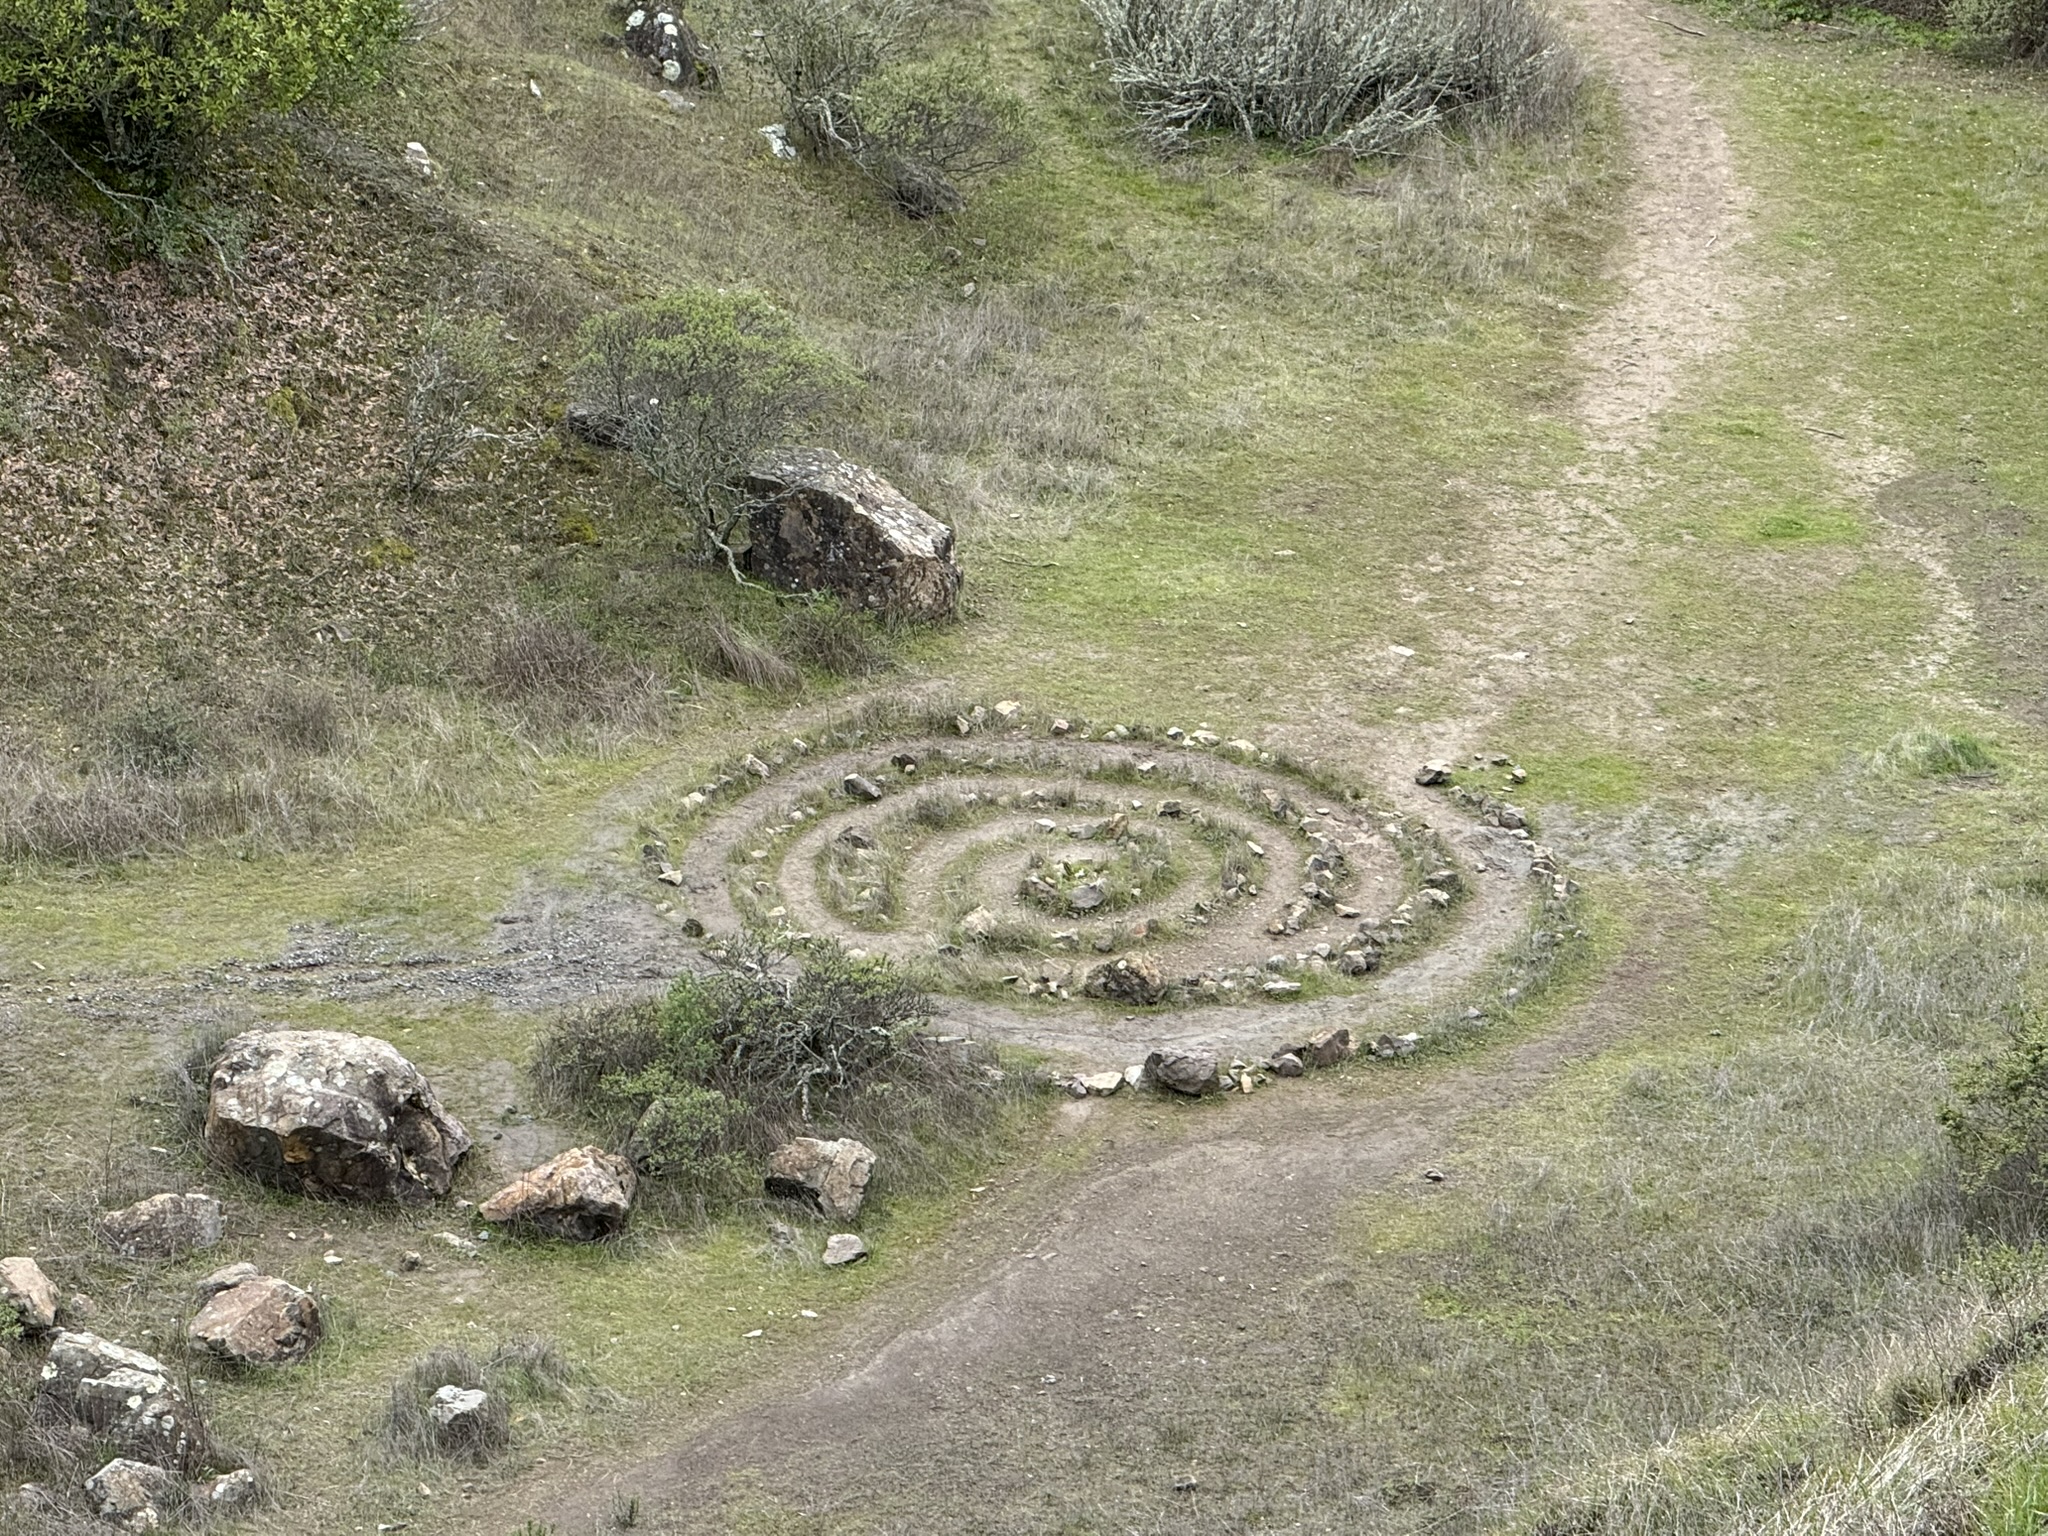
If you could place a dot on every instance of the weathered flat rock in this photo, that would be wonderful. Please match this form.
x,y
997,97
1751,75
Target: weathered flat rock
x,y
821,523
830,1176
845,1248
320,1112
257,1319
581,1196
163,1226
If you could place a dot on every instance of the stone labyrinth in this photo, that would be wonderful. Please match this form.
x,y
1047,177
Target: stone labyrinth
x,y
1037,861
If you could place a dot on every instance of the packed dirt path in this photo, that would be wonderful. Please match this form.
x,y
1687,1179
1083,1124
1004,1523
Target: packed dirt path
x,y
1155,1351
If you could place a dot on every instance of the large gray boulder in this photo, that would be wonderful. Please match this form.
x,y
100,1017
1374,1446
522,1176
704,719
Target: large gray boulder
x,y
255,1319
821,523
829,1176
582,1196
320,1112
163,1226
125,1397
29,1294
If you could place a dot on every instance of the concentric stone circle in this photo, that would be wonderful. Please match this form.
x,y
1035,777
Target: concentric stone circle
x,y
1018,857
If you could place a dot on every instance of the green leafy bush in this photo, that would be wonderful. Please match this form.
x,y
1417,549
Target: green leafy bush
x,y
141,83
2015,27
700,1085
698,383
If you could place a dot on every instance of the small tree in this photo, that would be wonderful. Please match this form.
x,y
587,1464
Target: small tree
x,y
697,384
142,84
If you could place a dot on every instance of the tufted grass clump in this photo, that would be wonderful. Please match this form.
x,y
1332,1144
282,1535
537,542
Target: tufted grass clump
x,y
527,1369
1927,753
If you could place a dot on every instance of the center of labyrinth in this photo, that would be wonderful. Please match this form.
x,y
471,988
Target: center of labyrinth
x,y
1139,871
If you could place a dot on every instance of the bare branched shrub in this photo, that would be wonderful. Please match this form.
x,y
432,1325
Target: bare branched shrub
x,y
1362,78
441,396
821,52
853,89
923,127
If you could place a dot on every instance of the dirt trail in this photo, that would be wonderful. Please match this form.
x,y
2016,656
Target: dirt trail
x,y
1164,1323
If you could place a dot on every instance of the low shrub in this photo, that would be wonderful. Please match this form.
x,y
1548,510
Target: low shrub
x,y
558,676
163,737
700,1085
696,385
1362,79
923,127
1997,1122
736,653
297,712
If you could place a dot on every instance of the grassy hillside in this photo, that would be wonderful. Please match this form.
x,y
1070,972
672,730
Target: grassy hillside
x,y
1236,436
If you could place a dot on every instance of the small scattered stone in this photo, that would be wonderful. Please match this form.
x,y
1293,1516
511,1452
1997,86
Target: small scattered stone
x,y
844,1248
859,786
1062,727
1327,1047
231,1491
755,766
1101,1084
29,1294
451,1405
1433,773
1287,1064
420,161
134,1496
1008,710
